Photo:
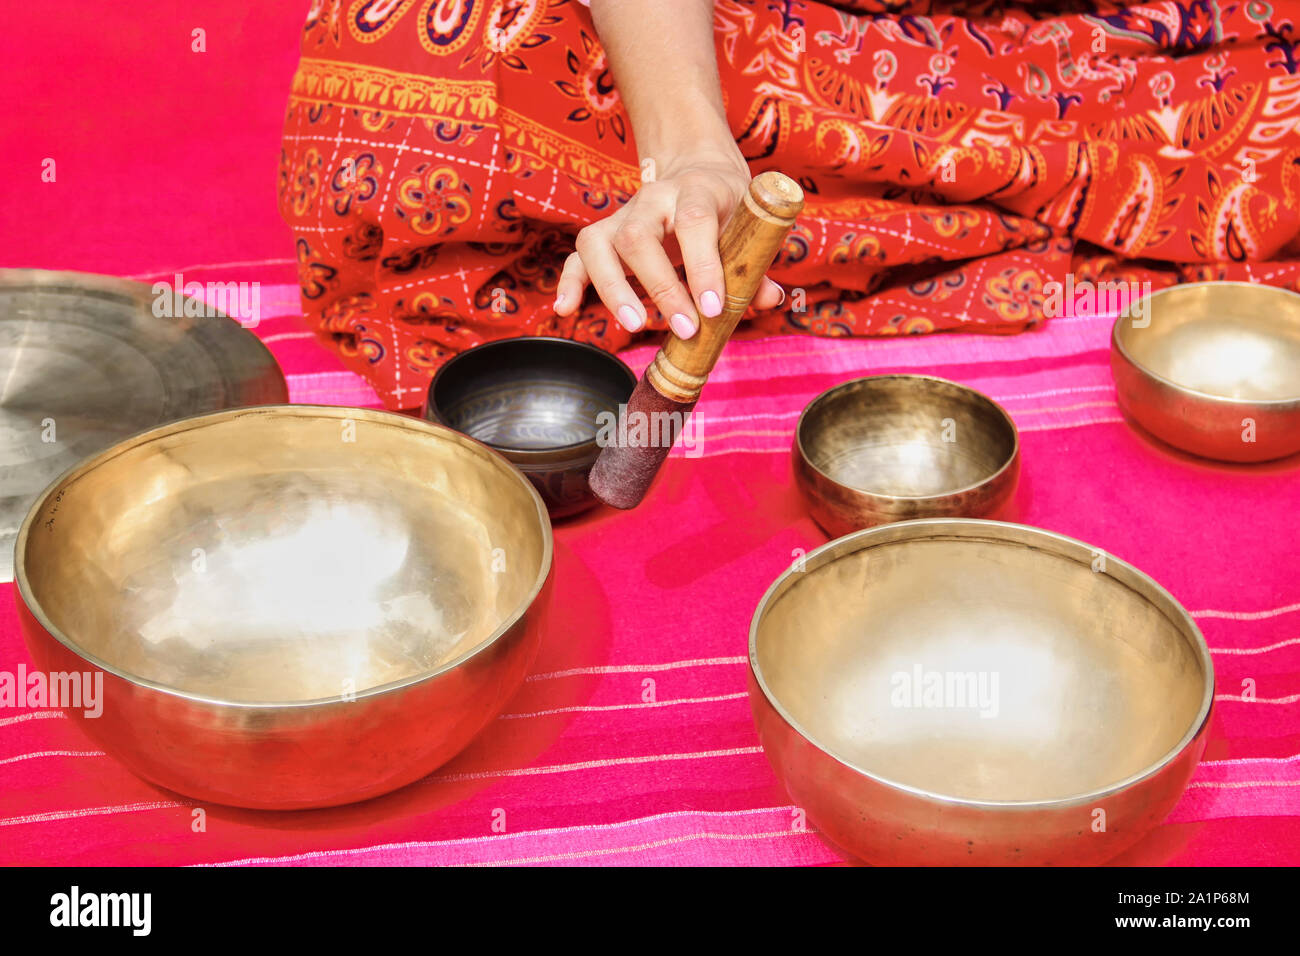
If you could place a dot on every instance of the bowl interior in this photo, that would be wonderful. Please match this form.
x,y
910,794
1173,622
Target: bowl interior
x,y
531,394
285,554
981,661
906,435
1227,339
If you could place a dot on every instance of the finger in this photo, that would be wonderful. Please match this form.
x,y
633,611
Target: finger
x,y
605,271
769,295
571,285
695,224
639,243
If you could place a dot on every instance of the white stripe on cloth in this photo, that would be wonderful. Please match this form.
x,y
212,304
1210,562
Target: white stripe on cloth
x,y
518,836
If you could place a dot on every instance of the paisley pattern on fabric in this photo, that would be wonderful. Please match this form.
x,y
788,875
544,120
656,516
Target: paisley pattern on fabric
x,y
447,25
440,155
369,20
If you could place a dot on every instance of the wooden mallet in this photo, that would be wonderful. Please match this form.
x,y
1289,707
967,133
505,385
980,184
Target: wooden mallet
x,y
671,385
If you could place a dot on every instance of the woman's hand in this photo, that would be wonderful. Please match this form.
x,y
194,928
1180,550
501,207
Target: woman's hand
x,y
696,173
676,217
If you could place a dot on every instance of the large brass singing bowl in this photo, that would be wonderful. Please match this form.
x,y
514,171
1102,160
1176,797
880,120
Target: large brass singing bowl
x,y
897,447
291,606
957,691
1213,368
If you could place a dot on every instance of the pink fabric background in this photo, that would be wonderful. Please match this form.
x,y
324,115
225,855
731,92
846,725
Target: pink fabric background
x,y
166,160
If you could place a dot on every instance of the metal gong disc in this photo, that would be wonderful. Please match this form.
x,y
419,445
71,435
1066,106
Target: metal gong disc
x,y
85,362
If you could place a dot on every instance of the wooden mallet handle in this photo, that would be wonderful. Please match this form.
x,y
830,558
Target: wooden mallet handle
x,y
750,241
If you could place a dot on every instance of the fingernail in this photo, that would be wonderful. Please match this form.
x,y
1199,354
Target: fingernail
x,y
682,325
779,288
559,301
710,304
630,318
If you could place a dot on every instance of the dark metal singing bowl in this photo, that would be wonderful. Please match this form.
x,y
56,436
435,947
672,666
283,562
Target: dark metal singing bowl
x,y
1213,368
539,401
958,691
896,447
292,606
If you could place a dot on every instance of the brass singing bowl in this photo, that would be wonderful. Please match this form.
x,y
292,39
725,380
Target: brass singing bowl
x,y
538,401
1213,368
291,606
87,360
897,447
958,691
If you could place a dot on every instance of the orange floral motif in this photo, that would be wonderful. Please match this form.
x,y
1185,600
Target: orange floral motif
x,y
853,247
342,315
356,180
593,86
425,308
433,200
952,223
1016,295
304,184
426,355
315,278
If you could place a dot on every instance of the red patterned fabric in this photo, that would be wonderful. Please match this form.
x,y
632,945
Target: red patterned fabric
x,y
439,156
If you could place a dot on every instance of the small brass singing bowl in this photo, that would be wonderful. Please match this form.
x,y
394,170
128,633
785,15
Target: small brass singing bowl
x,y
1213,368
290,606
897,447
959,691
538,401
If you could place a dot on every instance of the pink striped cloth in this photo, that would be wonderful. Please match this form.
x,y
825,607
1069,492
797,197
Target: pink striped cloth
x,y
631,741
